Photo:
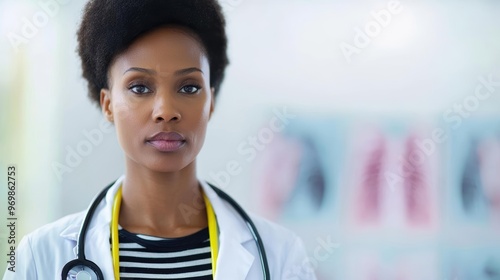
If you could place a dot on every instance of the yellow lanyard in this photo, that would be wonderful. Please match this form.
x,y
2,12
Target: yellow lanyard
x,y
212,231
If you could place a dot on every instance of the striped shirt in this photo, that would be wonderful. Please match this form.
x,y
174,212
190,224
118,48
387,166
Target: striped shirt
x,y
149,257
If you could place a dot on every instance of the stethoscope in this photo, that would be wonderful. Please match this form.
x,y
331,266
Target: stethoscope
x,y
83,269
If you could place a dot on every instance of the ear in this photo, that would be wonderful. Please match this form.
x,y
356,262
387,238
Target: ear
x,y
106,108
212,102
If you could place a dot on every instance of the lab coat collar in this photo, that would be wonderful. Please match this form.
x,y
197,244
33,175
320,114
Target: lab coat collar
x,y
234,260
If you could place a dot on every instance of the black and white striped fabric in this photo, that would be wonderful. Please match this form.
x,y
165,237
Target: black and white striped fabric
x,y
148,257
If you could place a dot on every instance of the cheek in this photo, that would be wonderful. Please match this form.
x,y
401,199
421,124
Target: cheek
x,y
200,122
120,103
200,125
125,108
127,116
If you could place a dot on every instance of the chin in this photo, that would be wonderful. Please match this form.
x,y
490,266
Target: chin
x,y
168,166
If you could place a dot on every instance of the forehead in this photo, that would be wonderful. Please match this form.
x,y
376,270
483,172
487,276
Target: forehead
x,y
164,49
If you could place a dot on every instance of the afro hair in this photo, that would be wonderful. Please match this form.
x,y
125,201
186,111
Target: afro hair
x,y
109,27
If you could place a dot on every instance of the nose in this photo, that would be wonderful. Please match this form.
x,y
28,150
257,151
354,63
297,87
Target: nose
x,y
165,108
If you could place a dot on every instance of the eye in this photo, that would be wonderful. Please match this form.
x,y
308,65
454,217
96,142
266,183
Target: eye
x,y
190,89
140,89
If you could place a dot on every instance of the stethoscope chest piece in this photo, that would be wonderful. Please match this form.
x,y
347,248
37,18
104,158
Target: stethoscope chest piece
x,y
81,270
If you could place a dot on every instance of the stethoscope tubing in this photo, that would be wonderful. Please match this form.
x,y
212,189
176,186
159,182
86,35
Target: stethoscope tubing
x,y
81,260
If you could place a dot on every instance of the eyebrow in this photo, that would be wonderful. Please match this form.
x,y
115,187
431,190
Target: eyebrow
x,y
153,72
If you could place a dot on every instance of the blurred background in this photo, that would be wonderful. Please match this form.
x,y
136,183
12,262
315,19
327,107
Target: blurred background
x,y
370,128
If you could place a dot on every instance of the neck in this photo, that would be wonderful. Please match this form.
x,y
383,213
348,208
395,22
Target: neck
x,y
163,204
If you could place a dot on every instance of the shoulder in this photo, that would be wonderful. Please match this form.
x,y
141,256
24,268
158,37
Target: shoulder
x,y
46,247
51,236
285,248
67,226
273,232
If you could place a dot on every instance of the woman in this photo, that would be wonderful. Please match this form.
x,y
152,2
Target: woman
x,y
155,68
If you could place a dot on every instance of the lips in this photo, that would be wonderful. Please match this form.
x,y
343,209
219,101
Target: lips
x,y
166,141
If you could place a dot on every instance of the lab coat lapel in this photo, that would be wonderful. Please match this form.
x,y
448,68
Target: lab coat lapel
x,y
234,261
97,246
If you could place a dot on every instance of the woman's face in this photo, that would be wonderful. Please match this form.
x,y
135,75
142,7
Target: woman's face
x,y
161,83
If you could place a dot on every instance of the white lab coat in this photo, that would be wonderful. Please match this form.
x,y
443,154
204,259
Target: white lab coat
x,y
43,253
